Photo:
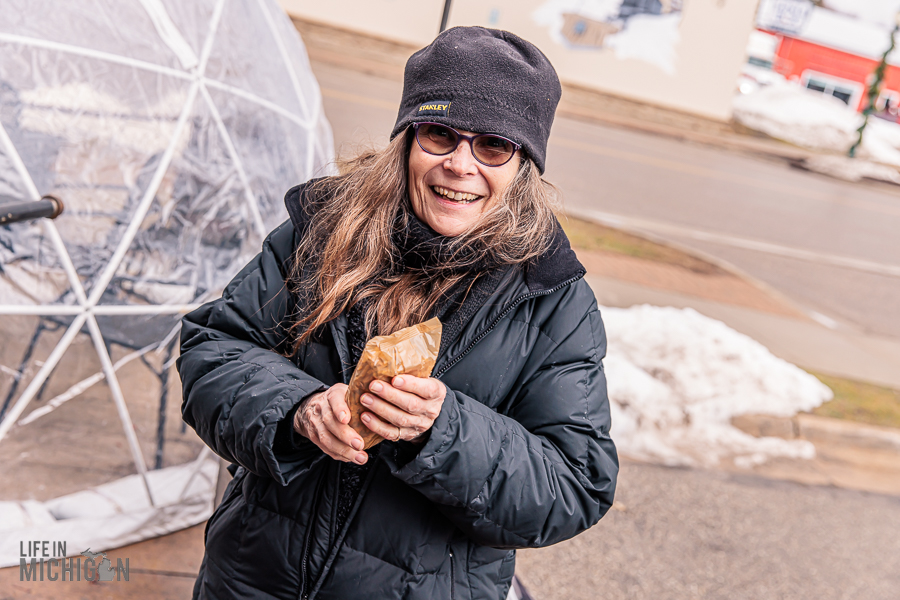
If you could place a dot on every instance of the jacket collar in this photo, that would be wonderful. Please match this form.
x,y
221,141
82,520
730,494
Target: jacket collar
x,y
555,266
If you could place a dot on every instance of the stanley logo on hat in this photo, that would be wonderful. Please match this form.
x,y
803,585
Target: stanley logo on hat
x,y
437,108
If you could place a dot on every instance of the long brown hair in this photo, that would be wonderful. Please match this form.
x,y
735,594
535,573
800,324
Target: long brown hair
x,y
350,242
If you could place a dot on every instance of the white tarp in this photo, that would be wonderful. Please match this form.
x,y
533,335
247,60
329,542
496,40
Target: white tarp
x,y
114,514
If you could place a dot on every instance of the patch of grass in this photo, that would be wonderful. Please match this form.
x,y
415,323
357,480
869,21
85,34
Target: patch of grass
x,y
585,235
861,402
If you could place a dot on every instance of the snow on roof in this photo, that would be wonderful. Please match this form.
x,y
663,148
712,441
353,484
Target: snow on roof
x,y
878,11
847,33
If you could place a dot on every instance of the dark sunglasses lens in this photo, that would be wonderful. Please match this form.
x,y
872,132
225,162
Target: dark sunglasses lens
x,y
436,139
493,150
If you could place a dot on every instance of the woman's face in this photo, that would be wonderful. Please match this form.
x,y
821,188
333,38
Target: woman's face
x,y
451,192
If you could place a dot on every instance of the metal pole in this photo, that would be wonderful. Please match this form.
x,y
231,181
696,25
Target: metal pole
x,y
28,210
446,15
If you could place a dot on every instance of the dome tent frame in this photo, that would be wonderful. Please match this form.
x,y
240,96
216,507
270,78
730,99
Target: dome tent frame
x,y
89,305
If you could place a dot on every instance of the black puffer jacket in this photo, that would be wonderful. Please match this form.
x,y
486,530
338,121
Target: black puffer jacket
x,y
520,455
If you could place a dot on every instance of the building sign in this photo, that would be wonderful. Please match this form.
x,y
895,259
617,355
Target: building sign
x,y
786,16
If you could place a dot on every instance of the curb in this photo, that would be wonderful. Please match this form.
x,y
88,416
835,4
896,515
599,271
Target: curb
x,y
814,428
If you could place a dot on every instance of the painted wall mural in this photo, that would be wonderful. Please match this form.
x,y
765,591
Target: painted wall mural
x,y
645,30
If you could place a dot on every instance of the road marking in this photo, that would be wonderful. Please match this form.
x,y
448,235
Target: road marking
x,y
636,224
708,173
823,320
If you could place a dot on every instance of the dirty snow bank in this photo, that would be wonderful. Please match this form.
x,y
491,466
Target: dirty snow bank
x,y
787,111
676,378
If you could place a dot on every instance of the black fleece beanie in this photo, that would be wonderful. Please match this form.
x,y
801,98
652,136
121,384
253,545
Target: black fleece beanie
x,y
485,81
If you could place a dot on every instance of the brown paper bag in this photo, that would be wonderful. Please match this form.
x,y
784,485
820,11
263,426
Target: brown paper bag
x,y
412,351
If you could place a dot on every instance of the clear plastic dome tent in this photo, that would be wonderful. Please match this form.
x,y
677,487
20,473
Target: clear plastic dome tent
x,y
170,130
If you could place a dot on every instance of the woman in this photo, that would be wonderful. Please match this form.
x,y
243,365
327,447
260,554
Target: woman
x,y
506,446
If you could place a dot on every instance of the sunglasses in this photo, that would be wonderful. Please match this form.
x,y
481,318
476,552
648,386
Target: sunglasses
x,y
488,149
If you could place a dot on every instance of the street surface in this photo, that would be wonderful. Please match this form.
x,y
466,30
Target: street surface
x,y
680,534
833,247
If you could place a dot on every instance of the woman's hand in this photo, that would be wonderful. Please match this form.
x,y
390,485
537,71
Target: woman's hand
x,y
324,418
404,409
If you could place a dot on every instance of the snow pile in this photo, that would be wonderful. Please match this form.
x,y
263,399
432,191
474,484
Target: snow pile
x,y
849,169
114,514
676,378
790,112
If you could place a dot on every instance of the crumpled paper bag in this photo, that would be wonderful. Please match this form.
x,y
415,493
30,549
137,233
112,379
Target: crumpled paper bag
x,y
412,351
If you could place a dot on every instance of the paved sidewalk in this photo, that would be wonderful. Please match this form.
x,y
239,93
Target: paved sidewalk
x,y
695,534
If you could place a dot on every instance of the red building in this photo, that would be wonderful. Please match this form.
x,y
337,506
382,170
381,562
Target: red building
x,y
836,54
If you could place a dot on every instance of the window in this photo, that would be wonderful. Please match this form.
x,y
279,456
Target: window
x,y
759,62
888,100
847,91
842,95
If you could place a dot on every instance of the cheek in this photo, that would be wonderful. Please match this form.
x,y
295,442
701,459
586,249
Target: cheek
x,y
500,180
418,168
415,183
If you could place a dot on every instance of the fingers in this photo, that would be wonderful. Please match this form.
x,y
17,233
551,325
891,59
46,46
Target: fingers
x,y
415,395
334,447
394,416
387,430
403,409
424,387
337,399
339,430
324,422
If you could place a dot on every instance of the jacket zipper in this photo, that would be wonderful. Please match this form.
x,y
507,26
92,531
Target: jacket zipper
x,y
304,574
307,543
452,577
343,532
502,314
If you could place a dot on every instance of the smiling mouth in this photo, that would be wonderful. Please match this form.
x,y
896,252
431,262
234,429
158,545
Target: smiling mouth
x,y
457,197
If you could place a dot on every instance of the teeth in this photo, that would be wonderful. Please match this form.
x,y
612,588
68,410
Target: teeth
x,y
455,196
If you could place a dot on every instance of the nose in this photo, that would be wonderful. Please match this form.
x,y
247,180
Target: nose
x,y
461,161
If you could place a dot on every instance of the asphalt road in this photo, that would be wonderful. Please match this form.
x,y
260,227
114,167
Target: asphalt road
x,y
681,534
831,246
